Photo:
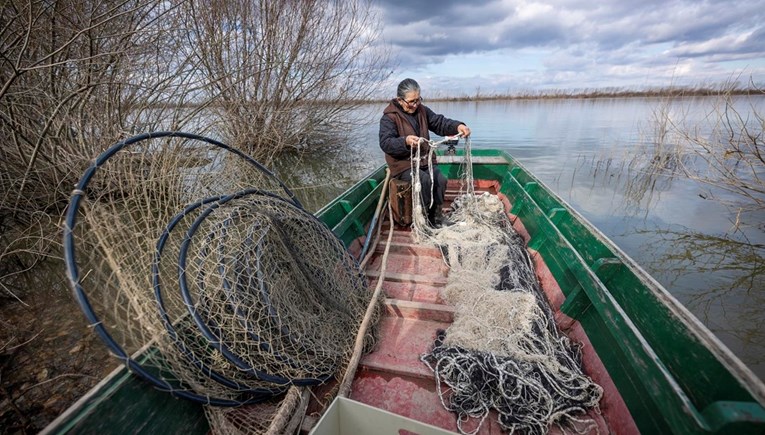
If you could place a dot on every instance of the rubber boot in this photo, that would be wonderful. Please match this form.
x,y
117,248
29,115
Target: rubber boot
x,y
432,216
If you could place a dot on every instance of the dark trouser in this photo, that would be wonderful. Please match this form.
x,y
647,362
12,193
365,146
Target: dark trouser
x,y
439,190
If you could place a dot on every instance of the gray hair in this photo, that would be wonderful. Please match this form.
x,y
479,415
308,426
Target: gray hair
x,y
407,85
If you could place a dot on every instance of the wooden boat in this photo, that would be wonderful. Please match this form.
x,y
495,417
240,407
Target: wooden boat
x,y
662,371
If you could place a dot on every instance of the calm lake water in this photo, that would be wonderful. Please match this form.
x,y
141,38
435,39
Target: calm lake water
x,y
582,150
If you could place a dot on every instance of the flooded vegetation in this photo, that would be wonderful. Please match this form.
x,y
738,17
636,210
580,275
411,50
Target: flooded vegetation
x,y
318,176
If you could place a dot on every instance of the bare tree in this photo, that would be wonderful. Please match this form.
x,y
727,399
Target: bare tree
x,y
732,156
78,76
74,78
286,71
726,153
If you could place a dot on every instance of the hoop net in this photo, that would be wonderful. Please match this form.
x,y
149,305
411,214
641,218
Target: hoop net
x,y
191,250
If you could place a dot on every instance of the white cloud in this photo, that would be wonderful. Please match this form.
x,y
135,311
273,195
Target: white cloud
x,y
576,43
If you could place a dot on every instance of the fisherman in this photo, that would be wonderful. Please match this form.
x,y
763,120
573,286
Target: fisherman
x,y
405,123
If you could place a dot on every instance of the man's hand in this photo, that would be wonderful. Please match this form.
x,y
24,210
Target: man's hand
x,y
462,128
412,141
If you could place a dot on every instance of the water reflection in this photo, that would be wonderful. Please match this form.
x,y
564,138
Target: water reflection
x,y
640,190
733,269
319,175
710,256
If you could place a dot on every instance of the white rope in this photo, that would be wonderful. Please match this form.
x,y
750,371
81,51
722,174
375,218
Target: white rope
x,y
435,144
421,227
350,372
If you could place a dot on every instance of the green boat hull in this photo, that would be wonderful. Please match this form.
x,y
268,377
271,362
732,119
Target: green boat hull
x,y
672,373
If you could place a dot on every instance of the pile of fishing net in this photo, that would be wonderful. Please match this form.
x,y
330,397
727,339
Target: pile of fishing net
x,y
503,353
205,275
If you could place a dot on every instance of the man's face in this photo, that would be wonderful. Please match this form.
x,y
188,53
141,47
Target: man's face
x,y
410,102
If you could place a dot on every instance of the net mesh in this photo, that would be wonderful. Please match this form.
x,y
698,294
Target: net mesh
x,y
272,417
503,353
193,251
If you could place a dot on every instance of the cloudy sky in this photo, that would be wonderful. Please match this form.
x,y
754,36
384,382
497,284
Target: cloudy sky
x,y
460,47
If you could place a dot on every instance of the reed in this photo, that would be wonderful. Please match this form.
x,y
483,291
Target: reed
x,y
724,154
701,90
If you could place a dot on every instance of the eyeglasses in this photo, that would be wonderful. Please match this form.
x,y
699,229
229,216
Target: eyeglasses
x,y
414,102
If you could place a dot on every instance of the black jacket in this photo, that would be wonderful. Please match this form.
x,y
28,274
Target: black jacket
x,y
394,144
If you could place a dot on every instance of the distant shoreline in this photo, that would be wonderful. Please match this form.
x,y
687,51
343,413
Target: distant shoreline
x,y
598,93
564,95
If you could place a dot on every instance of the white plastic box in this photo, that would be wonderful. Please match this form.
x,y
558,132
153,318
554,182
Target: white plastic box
x,y
348,417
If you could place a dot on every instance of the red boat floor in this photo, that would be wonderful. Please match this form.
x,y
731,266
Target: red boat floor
x,y
393,378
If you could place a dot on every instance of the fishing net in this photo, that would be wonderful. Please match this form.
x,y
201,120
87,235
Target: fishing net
x,y
204,274
272,417
503,352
